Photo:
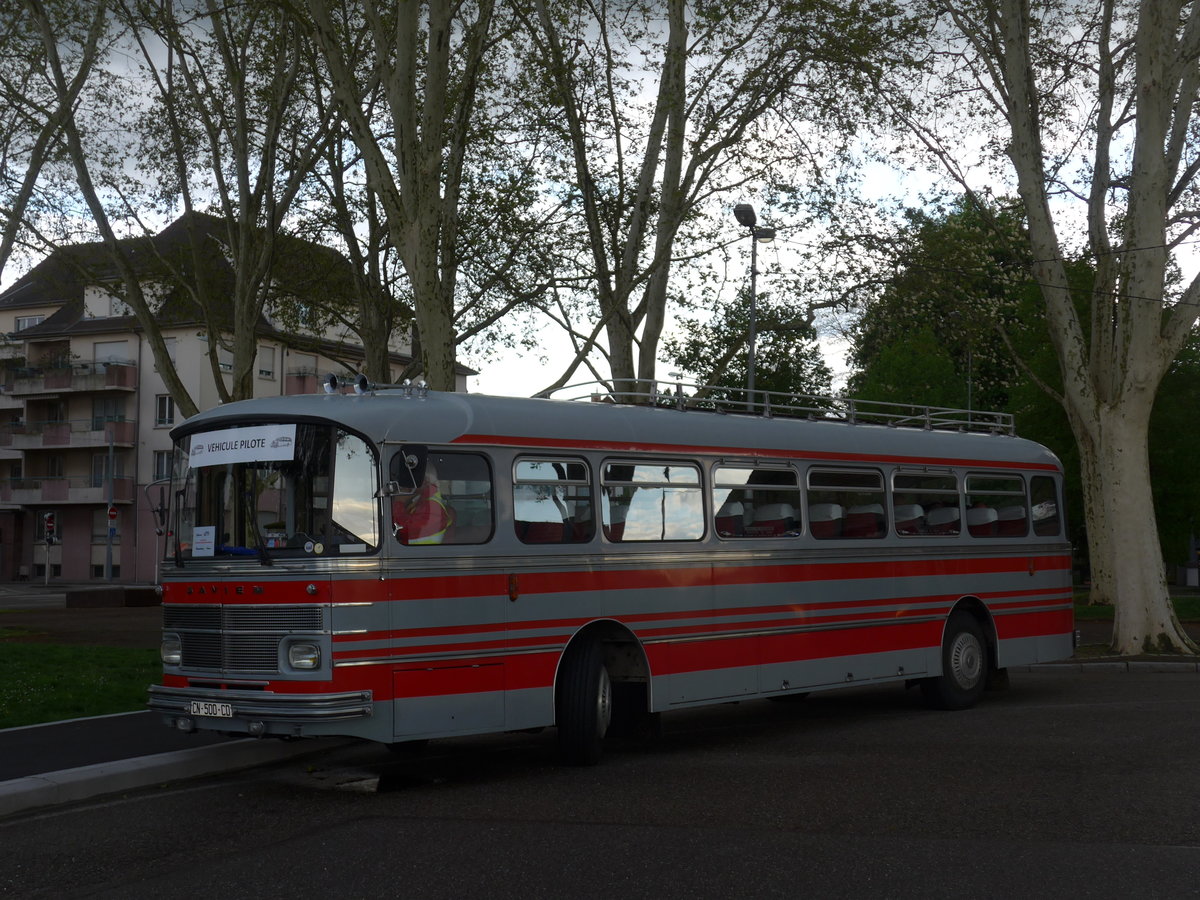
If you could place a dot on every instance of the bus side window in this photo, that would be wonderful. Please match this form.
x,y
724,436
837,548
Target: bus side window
x,y
755,502
1047,522
996,506
552,501
846,504
652,501
925,503
461,485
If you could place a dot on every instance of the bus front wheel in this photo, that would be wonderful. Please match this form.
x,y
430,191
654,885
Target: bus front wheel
x,y
964,665
583,704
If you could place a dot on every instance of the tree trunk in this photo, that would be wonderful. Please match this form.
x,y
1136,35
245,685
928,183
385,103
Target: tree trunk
x,y
1122,534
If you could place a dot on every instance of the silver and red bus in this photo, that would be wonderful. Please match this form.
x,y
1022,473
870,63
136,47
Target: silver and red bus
x,y
611,557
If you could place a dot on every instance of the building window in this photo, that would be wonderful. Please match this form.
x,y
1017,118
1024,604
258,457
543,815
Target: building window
x,y
99,470
29,321
162,464
114,352
105,410
302,364
164,413
54,466
266,362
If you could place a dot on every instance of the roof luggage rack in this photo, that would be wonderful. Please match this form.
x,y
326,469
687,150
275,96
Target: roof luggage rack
x,y
719,399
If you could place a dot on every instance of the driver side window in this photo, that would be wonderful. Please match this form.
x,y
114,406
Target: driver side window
x,y
354,519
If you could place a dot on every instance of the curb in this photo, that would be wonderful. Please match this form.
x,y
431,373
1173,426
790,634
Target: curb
x,y
1104,665
86,782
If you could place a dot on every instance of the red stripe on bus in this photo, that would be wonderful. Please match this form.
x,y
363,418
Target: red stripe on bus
x,y
449,587
753,650
1035,623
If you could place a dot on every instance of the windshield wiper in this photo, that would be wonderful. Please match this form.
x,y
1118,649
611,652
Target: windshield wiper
x,y
260,545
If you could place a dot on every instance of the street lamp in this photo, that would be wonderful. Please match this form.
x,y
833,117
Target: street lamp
x,y
744,213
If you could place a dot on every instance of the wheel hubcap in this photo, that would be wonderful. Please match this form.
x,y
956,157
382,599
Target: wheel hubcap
x,y
966,660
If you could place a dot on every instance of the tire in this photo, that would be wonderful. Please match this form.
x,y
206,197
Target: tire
x,y
964,665
583,704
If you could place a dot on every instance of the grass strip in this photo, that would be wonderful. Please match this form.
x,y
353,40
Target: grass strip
x,y
49,682
1187,608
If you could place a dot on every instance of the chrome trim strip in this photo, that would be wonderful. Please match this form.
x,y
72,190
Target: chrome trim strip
x,y
265,704
799,629
441,657
1035,609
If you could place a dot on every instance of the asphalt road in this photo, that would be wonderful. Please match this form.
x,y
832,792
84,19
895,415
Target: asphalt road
x,y
1068,785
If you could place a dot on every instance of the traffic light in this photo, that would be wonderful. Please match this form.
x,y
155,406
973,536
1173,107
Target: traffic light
x,y
49,527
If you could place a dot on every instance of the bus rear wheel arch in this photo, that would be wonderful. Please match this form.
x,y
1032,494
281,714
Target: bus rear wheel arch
x,y
601,688
966,663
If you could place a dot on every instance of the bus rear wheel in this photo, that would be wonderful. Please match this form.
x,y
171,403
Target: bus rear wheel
x,y
583,704
964,665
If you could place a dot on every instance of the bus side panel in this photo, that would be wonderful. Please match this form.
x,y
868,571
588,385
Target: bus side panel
x,y
448,699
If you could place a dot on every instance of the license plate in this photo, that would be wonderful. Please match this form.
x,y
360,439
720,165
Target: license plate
x,y
212,710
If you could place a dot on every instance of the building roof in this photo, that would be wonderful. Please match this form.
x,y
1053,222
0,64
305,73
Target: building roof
x,y
194,246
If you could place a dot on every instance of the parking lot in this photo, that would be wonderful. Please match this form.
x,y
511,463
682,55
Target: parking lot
x,y
1066,785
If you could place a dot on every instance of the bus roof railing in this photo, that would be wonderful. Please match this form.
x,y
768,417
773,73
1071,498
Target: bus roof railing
x,y
723,399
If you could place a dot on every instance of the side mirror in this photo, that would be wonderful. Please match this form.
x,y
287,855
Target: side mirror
x,y
408,468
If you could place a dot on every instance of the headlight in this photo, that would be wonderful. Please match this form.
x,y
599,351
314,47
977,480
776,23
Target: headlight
x,y
171,650
304,655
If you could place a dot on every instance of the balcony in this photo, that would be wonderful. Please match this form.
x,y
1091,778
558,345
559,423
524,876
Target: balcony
x,y
97,431
300,380
64,490
74,378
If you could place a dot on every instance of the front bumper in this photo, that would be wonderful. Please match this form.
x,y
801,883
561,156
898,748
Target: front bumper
x,y
261,712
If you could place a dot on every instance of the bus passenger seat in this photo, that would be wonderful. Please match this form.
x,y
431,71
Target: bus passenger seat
x,y
729,519
544,532
773,519
908,518
865,521
943,520
825,520
981,521
1011,521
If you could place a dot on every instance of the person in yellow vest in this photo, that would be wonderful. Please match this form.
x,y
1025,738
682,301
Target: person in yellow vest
x,y
424,516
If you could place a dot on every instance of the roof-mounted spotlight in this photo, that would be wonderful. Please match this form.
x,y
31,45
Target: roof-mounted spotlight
x,y
331,383
361,385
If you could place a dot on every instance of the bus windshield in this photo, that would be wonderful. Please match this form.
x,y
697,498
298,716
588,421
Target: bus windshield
x,y
274,491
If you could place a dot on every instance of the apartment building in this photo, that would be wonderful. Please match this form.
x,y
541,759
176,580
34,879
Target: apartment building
x,y
85,415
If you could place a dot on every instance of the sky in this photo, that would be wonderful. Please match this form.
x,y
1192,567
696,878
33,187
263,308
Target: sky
x,y
520,373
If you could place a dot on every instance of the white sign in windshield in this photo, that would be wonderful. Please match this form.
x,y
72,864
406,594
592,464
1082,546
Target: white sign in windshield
x,y
257,443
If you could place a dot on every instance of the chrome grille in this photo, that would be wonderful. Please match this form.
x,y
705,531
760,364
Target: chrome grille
x,y
237,638
245,618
